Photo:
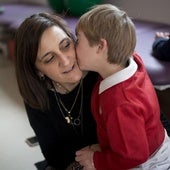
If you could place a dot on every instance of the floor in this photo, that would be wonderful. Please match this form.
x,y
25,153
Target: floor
x,y
15,154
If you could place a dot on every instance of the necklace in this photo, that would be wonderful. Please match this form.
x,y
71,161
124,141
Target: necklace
x,y
65,90
66,113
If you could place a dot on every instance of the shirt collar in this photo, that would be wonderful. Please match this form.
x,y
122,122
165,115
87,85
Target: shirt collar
x,y
119,76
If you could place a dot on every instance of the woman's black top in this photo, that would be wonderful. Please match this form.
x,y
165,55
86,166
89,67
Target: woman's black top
x,y
59,140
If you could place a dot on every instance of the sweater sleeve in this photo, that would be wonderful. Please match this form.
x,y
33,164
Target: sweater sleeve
x,y
43,130
50,145
161,49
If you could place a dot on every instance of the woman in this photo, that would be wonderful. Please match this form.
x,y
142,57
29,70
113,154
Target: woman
x,y
55,92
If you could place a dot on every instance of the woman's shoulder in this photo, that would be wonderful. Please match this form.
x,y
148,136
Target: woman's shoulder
x,y
90,80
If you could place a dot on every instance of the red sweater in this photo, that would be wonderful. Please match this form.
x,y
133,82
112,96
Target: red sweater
x,y
127,113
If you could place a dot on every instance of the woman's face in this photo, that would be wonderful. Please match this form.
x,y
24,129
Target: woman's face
x,y
56,57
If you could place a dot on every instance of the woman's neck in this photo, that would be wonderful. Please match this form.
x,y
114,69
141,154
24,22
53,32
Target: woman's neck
x,y
64,88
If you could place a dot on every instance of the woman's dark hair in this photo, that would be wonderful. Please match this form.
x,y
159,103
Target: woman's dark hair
x,y
27,38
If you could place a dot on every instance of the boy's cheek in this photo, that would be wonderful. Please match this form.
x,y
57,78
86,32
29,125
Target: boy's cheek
x,y
77,49
78,52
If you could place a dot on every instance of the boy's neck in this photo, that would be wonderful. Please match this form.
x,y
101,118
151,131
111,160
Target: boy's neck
x,y
109,70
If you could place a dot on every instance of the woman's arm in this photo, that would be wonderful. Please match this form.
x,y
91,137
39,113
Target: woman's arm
x,y
51,147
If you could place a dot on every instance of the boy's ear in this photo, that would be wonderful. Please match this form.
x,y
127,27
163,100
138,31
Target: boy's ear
x,y
102,45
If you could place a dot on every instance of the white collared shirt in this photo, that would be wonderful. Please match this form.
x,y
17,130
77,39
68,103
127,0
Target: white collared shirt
x,y
119,76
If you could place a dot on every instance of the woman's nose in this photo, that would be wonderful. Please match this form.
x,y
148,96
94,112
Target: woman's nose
x,y
64,60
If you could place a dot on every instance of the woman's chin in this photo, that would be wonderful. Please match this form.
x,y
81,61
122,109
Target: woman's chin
x,y
77,75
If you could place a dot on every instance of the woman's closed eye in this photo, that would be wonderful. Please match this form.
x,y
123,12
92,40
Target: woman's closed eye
x,y
66,45
49,58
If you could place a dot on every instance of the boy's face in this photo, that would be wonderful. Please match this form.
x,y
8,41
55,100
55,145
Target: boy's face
x,y
85,53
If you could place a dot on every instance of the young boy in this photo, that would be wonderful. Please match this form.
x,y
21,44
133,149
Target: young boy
x,y
124,103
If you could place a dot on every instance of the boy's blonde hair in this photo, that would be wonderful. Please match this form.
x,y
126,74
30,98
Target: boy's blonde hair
x,y
112,24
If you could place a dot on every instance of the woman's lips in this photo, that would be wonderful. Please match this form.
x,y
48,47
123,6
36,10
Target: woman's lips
x,y
70,69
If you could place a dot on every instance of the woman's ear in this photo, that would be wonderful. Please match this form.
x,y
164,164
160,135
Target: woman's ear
x,y
40,75
102,45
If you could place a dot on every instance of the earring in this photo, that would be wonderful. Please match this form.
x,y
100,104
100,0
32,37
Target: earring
x,y
42,77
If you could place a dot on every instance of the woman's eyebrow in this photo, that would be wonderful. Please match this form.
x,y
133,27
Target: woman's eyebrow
x,y
65,39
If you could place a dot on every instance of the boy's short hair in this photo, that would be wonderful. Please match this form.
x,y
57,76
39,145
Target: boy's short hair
x,y
112,24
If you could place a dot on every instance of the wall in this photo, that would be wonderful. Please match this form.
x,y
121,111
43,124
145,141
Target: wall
x,y
40,2
151,10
